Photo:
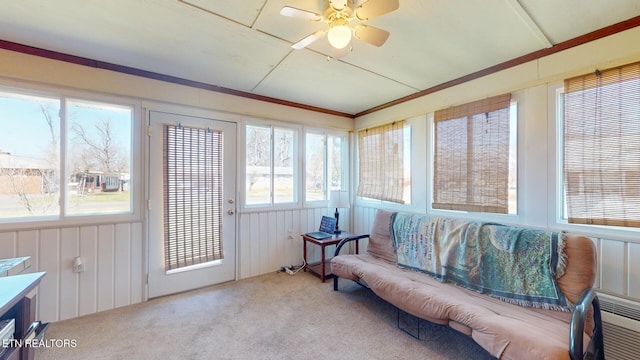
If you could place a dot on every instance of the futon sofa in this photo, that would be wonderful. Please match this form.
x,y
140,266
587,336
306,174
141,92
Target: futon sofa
x,y
519,293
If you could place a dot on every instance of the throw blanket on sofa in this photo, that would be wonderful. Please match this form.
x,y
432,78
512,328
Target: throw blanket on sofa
x,y
514,264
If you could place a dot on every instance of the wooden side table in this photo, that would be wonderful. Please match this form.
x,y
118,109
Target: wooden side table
x,y
320,268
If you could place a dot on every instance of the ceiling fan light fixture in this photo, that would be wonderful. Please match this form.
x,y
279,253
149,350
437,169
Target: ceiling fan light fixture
x,y
338,14
339,36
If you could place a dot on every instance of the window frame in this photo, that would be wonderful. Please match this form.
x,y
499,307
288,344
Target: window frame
x,y
558,218
64,122
416,125
516,107
297,165
136,153
344,179
603,104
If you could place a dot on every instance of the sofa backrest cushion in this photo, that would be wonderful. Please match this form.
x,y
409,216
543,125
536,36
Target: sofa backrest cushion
x,y
580,272
380,243
515,264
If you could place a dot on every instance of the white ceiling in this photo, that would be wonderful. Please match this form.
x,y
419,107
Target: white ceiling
x,y
245,45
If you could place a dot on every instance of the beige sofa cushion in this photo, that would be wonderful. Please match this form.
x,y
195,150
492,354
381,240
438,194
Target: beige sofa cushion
x,y
380,244
580,272
506,330
580,252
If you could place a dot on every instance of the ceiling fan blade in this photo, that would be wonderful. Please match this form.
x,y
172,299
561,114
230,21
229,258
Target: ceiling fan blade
x,y
339,53
301,14
371,35
375,8
308,40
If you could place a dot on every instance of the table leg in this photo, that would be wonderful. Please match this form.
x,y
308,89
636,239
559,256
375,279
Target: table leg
x,y
304,252
322,261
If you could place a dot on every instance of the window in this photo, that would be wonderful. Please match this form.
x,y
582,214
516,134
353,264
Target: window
x,y
384,155
475,157
271,165
97,154
98,158
29,156
325,164
601,147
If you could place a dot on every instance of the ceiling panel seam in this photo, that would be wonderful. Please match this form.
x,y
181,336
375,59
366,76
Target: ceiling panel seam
x,y
253,24
380,75
272,69
186,2
526,18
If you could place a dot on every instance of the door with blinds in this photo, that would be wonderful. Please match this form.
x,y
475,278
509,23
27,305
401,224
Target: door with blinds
x,y
192,221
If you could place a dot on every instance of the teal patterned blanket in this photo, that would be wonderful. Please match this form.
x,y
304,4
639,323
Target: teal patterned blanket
x,y
514,264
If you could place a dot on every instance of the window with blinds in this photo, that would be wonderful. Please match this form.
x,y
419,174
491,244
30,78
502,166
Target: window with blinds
x,y
192,196
472,156
601,157
381,155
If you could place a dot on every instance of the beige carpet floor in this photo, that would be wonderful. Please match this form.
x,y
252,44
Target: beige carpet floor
x,y
274,316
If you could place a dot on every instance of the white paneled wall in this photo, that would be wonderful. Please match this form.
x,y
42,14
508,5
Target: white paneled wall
x,y
113,258
618,272
263,243
633,254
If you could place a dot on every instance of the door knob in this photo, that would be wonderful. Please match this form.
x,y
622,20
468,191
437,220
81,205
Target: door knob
x,y
231,212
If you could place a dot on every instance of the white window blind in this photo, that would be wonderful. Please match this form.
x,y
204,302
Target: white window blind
x,y
381,162
192,196
471,156
602,147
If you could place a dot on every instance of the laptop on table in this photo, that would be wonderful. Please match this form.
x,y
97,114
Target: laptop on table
x,y
327,228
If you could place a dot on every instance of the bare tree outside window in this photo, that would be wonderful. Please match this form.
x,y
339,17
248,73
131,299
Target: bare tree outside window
x,y
337,151
98,158
284,181
325,160
270,164
258,155
315,165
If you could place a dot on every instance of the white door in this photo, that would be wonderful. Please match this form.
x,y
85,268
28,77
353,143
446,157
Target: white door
x,y
192,221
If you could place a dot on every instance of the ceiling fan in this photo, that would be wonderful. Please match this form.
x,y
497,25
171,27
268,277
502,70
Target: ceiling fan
x,y
339,14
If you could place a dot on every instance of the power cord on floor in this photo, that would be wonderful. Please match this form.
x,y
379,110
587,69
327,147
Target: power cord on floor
x,y
293,269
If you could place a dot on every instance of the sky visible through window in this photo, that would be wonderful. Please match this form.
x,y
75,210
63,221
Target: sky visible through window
x,y
24,128
25,131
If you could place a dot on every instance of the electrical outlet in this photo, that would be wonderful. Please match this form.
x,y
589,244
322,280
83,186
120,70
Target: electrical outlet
x,y
78,265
